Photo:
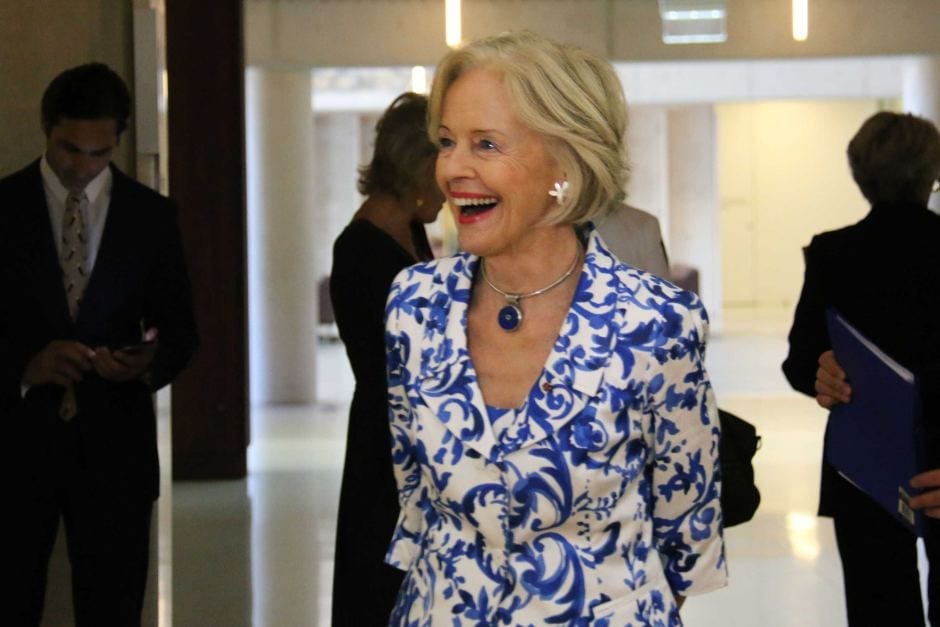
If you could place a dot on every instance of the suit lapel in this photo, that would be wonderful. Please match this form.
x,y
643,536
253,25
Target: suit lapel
x,y
39,241
447,384
575,368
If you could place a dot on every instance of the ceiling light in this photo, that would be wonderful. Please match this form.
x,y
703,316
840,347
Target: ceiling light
x,y
800,20
419,79
452,34
693,21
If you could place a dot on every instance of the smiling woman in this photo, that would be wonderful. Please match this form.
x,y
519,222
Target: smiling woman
x,y
554,430
492,166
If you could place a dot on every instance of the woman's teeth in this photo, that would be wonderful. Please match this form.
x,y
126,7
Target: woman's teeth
x,y
471,206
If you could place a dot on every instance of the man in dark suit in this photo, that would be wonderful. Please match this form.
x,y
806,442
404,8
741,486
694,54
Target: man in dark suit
x,y
883,275
95,315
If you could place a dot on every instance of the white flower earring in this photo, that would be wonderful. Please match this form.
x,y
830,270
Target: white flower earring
x,y
560,192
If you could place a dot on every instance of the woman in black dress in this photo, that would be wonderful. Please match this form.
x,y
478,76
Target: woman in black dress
x,y
386,234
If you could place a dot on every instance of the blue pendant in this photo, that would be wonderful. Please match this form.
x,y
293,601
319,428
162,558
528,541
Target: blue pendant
x,y
510,317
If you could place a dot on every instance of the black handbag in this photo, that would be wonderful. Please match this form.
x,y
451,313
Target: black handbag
x,y
736,448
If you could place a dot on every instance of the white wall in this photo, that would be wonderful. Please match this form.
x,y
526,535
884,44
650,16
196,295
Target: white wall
x,y
694,234
648,156
782,177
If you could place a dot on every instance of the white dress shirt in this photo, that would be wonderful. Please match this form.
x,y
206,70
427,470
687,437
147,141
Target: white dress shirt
x,y
99,199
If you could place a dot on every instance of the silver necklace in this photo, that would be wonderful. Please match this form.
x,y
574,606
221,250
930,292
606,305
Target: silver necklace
x,y
510,316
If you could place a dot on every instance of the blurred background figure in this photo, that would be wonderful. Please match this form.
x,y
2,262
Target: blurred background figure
x,y
634,237
385,235
883,276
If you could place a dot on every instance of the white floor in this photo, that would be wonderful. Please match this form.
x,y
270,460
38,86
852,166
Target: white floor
x,y
260,551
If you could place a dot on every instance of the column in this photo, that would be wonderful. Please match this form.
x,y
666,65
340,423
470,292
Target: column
x,y
921,95
282,231
647,154
693,201
339,156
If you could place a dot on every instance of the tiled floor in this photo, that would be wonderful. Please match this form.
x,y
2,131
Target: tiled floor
x,y
260,552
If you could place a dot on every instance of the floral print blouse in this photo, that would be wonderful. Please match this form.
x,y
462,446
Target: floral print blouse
x,y
596,501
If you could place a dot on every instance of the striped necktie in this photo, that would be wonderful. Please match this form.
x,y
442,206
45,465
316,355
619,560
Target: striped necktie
x,y
73,257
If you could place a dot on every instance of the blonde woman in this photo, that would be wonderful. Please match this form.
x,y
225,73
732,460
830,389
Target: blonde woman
x,y
555,433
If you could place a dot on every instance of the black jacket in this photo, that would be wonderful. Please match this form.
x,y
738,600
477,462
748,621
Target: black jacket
x,y
883,275
139,280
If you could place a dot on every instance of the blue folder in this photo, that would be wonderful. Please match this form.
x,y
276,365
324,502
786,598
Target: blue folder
x,y
876,440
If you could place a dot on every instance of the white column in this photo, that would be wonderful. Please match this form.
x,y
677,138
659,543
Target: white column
x,y
693,201
921,87
921,95
647,153
338,158
281,234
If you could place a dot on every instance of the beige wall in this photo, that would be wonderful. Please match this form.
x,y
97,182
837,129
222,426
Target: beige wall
x,y
40,38
782,177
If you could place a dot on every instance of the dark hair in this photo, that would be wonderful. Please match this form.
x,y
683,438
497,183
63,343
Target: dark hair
x,y
895,157
403,150
87,92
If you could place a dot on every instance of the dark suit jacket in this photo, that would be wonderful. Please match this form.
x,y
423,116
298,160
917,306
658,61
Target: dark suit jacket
x,y
883,275
139,278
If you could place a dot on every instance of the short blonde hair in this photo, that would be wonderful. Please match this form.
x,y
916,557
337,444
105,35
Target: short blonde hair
x,y
895,157
573,99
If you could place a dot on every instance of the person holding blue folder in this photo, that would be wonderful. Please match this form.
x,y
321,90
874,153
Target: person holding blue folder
x,y
929,499
832,388
882,275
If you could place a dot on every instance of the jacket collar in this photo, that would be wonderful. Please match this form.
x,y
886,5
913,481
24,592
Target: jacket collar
x,y
571,376
50,289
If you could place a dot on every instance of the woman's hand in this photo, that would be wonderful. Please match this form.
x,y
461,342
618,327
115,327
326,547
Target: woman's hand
x,y
928,501
831,387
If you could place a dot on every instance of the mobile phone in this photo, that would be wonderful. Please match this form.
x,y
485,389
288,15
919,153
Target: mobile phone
x,y
135,347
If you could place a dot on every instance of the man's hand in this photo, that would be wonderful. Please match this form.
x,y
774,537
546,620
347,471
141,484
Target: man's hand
x,y
61,362
831,387
928,501
128,363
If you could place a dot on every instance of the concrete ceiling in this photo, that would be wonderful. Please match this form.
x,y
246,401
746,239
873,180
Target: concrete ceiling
x,y
312,33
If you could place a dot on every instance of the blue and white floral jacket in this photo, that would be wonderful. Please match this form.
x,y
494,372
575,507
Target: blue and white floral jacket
x,y
597,500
